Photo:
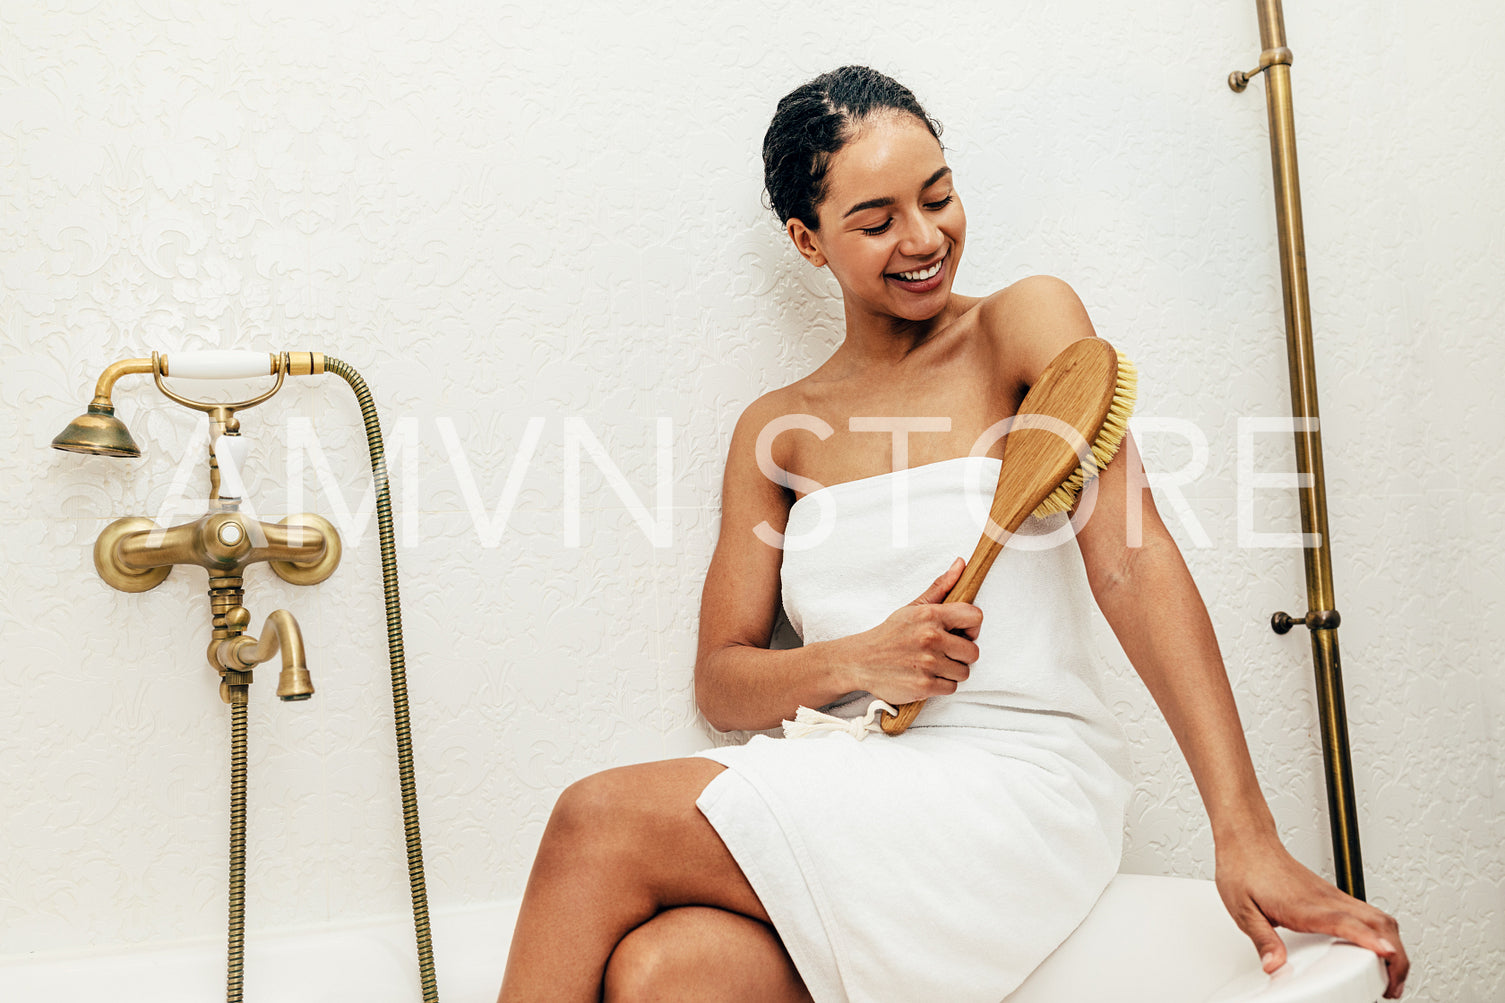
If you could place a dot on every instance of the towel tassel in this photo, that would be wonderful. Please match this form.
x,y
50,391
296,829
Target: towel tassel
x,y
809,722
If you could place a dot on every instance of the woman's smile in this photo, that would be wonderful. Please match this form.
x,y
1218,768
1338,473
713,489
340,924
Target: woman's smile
x,y
921,280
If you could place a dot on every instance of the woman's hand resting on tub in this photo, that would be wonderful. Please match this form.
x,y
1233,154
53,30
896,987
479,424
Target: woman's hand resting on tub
x,y
922,650
1263,887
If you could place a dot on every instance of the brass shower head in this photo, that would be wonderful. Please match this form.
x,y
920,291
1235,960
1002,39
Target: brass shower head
x,y
99,432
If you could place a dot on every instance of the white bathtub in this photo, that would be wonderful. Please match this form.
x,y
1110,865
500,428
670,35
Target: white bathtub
x,y
353,963
1150,940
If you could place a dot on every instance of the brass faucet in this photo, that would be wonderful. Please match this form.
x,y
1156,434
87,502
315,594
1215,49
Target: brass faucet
x,y
133,554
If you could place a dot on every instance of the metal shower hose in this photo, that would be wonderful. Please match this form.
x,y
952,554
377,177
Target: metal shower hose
x,y
400,714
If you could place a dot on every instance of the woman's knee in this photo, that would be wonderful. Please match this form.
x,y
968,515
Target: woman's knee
x,y
638,828
627,804
630,802
584,803
589,813
696,953
665,959
639,968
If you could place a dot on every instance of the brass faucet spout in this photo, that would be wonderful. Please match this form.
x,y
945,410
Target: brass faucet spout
x,y
280,633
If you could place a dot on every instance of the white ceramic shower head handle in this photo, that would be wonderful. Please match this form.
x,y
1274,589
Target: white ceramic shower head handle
x,y
230,451
219,364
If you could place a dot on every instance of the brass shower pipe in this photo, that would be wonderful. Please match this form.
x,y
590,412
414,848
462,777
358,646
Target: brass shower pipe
x,y
1321,618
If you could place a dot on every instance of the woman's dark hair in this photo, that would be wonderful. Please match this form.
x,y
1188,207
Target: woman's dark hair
x,y
813,122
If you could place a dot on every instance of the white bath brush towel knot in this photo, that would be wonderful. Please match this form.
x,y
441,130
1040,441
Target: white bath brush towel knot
x,y
809,722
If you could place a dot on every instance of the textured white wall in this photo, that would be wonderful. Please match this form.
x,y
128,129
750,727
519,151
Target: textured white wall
x,y
501,212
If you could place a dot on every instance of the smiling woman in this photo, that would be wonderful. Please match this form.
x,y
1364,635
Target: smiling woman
x,y
879,169
947,862
908,241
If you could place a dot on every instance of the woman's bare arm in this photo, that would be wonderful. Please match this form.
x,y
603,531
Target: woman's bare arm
x,y
1142,585
1147,596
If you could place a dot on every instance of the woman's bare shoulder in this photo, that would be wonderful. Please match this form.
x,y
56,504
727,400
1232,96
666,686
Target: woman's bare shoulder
x,y
1032,320
1035,303
757,437
775,404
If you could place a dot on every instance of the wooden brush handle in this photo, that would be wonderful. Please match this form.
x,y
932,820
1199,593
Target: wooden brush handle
x,y
965,590
1077,390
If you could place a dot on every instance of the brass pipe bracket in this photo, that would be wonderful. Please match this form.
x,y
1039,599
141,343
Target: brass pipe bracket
x,y
1238,80
1317,619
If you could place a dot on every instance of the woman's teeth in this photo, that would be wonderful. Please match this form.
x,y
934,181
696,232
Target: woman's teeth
x,y
923,274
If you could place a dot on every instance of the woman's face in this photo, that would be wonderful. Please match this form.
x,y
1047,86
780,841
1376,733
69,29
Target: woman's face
x,y
891,225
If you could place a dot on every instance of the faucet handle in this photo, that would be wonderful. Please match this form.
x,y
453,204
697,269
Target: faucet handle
x,y
310,572
111,565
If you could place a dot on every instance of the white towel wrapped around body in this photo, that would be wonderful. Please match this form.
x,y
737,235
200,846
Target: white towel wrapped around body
x,y
945,863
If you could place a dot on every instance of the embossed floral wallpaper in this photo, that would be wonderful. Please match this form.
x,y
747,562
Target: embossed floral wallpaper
x,y
537,230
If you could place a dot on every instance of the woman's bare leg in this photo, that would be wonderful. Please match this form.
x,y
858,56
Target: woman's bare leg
x,y
697,953
621,846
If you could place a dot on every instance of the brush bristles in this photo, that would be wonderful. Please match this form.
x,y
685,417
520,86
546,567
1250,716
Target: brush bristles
x,y
1104,444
